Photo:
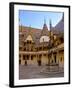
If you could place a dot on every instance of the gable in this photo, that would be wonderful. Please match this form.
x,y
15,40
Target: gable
x,y
29,38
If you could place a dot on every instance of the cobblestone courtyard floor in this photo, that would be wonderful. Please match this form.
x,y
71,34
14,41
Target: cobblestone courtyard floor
x,y
29,72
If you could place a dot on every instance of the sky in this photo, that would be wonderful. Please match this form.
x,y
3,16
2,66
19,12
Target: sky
x,y
36,19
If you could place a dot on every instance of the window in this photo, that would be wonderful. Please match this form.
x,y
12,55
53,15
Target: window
x,y
40,48
23,57
31,57
27,42
27,57
30,42
55,58
19,61
24,49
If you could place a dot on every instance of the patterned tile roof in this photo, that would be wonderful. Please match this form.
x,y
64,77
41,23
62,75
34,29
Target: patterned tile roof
x,y
37,33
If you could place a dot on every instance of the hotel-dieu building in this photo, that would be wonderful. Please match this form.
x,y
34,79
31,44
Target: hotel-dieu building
x,y
42,46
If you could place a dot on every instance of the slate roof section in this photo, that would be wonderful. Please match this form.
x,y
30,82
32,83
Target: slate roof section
x,y
60,26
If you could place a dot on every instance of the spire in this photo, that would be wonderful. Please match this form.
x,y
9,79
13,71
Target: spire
x,y
44,31
50,24
45,26
44,20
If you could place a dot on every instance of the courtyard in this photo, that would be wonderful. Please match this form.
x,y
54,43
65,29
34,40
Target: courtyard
x,y
33,72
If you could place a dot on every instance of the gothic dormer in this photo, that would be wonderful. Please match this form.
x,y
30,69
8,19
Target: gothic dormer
x,y
29,37
45,26
44,31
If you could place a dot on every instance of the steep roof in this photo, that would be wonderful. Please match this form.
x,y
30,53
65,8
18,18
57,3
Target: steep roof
x,y
44,31
60,26
35,33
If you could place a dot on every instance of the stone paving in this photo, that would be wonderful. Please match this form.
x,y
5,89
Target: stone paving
x,y
32,72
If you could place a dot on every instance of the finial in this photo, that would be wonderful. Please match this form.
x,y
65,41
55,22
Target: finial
x,y
50,24
44,20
